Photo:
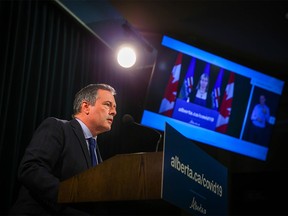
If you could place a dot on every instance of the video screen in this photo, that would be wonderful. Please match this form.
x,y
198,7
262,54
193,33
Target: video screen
x,y
212,100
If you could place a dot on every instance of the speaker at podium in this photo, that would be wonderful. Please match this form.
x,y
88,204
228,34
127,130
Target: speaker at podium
x,y
180,180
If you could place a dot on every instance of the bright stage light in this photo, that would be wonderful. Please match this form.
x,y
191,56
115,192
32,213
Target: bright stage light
x,y
126,57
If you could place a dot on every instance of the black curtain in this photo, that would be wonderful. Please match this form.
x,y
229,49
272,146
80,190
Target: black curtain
x,y
46,57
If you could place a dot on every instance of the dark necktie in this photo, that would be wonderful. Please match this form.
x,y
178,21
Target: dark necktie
x,y
92,148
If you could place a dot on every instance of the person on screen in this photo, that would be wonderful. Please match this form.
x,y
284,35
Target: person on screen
x,y
59,150
260,115
200,95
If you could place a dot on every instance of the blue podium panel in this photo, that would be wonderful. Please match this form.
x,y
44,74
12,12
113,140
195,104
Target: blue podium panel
x,y
192,179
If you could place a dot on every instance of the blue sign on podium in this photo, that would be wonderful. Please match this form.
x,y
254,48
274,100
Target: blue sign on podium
x,y
192,180
195,114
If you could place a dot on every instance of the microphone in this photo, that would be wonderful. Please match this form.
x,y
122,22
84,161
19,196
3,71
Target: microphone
x,y
129,120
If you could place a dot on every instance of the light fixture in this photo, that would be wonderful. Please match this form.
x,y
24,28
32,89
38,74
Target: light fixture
x,y
126,56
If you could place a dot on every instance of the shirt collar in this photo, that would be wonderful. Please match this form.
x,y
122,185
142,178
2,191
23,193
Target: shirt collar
x,y
86,131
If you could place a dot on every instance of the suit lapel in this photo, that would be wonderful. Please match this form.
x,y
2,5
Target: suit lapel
x,y
79,133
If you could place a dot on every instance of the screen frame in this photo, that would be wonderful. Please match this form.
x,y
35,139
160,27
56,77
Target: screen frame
x,y
202,135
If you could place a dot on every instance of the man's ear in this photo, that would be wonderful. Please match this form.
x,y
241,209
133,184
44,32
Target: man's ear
x,y
85,107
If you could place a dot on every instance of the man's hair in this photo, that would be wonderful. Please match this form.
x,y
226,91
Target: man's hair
x,y
89,94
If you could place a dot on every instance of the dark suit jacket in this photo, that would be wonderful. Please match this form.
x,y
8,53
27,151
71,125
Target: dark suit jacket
x,y
57,151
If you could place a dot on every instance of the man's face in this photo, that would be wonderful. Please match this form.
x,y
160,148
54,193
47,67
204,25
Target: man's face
x,y
262,99
101,114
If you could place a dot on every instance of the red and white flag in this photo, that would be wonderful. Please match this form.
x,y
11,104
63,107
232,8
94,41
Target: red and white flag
x,y
168,101
226,106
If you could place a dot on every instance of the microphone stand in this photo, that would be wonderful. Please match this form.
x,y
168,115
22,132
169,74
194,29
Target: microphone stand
x,y
128,119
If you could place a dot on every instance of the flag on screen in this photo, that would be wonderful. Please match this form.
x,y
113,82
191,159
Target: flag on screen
x,y
187,85
226,106
216,90
168,101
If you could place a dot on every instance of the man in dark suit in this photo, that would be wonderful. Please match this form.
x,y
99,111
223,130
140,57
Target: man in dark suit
x,y
59,150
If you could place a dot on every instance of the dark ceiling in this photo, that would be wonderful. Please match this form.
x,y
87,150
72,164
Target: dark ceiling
x,y
252,33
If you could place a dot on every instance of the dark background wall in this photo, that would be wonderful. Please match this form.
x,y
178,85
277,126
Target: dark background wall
x,y
47,56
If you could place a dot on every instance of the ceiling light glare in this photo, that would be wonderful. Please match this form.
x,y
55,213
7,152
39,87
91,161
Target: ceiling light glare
x,y
126,57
